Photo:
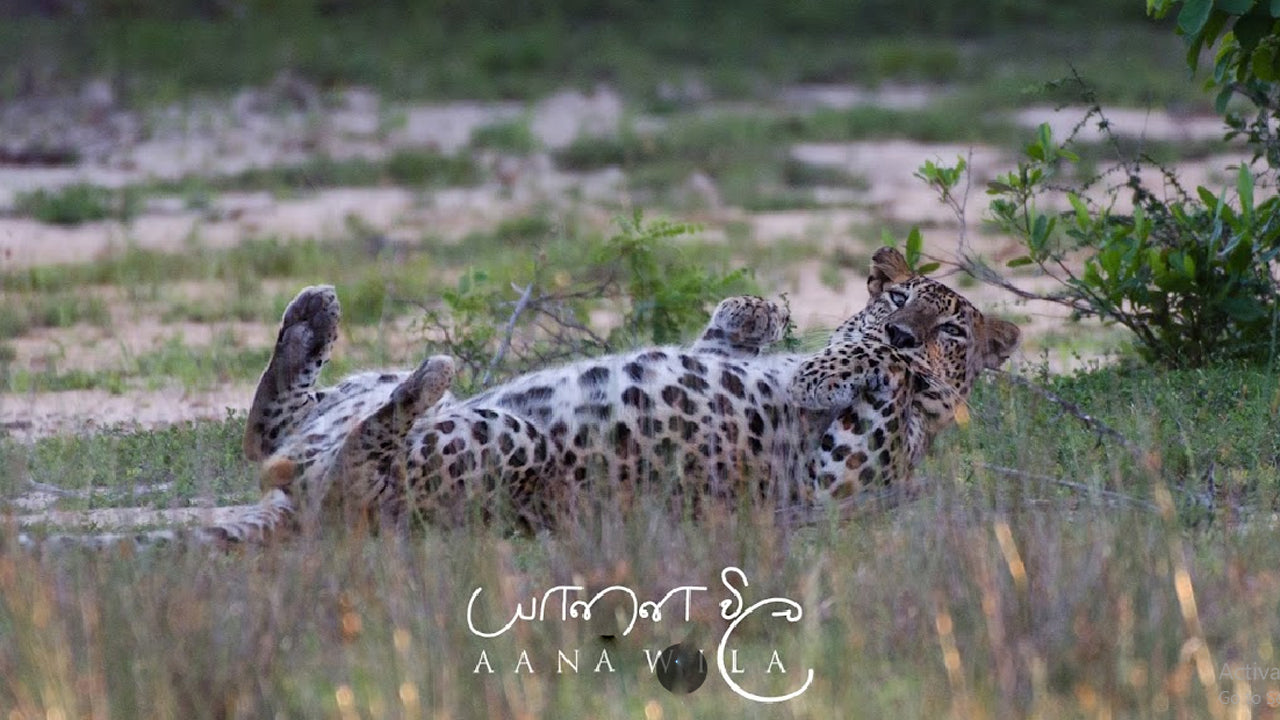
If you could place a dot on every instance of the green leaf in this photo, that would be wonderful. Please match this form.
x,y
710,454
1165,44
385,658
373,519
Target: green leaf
x,y
1194,14
1213,28
928,268
1141,224
1222,62
1109,260
1156,261
1261,63
1242,309
995,188
1082,211
1235,7
1223,97
1249,30
1209,199
1040,230
1019,262
1091,276
1244,186
914,243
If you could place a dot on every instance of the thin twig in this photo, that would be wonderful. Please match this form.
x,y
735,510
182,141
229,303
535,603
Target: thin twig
x,y
1069,484
964,201
575,326
1100,428
508,331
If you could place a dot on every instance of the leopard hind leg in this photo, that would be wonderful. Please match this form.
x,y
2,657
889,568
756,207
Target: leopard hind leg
x,y
369,472
286,390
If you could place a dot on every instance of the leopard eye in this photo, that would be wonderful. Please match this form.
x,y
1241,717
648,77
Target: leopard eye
x,y
951,329
898,297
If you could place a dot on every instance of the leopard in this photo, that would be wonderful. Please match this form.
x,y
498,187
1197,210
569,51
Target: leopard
x,y
933,344
725,418
356,427
390,443
722,416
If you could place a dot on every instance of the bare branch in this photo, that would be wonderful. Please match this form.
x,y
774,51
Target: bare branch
x,y
508,331
1097,426
1082,488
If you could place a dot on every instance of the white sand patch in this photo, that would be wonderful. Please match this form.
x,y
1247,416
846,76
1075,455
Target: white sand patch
x,y
808,98
1125,122
896,195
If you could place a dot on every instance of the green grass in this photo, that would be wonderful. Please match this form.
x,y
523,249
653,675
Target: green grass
x,y
252,260
1053,601
245,305
746,155
173,362
19,314
513,136
435,49
411,168
378,627
52,379
79,203
196,459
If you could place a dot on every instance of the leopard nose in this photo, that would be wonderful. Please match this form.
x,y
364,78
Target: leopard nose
x,y
902,337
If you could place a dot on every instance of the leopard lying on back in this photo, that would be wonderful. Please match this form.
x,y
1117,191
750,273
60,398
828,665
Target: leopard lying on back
x,y
717,419
714,420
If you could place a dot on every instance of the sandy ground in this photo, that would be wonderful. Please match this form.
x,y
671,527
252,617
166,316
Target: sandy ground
x,y
289,122
87,410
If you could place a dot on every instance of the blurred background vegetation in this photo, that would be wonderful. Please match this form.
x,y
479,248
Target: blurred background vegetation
x,y
493,48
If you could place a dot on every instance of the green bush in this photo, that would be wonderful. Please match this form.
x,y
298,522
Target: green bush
x,y
1189,276
668,297
1189,273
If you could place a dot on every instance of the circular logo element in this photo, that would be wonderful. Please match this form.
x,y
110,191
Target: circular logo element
x,y
681,669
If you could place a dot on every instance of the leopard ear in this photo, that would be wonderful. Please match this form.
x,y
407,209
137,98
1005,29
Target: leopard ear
x,y
997,340
888,267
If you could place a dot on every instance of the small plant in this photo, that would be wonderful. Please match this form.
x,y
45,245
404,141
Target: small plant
x,y
667,297
513,136
1246,65
80,203
501,321
415,167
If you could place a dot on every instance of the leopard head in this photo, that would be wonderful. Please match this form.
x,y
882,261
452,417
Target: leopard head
x,y
919,315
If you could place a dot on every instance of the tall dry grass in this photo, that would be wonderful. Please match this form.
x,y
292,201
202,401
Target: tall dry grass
x,y
968,602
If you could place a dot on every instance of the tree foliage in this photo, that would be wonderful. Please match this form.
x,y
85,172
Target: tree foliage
x,y
1190,273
